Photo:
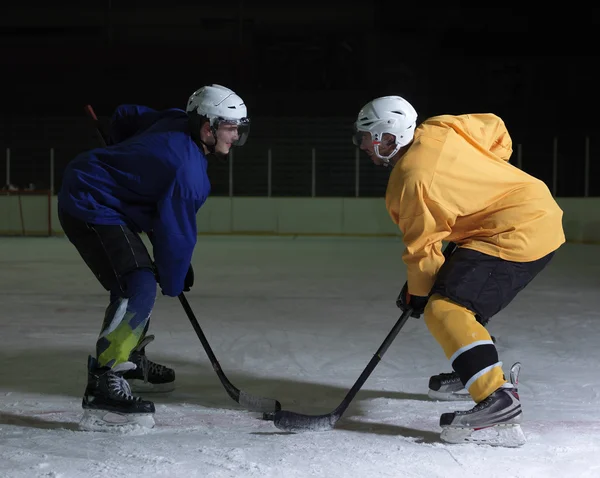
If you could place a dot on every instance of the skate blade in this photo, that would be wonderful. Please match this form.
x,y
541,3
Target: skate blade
x,y
510,436
106,421
139,386
461,396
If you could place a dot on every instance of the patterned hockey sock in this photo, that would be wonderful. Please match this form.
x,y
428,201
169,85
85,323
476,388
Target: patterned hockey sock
x,y
126,319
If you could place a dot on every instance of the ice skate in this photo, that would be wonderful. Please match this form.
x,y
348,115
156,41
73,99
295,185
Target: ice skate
x,y
447,387
493,421
108,403
148,376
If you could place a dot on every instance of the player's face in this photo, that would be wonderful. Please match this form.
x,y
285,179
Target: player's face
x,y
386,146
227,134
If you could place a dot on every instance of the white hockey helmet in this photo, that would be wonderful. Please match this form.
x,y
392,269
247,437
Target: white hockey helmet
x,y
387,114
220,105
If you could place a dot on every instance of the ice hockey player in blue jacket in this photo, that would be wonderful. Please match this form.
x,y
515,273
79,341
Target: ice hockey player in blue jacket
x,y
151,177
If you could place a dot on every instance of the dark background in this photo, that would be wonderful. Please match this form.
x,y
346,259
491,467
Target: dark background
x,y
304,70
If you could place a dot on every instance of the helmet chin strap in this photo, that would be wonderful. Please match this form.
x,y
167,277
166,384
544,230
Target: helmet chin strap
x,y
210,147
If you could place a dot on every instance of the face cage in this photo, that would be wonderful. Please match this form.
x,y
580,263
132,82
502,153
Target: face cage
x,y
376,138
242,124
358,135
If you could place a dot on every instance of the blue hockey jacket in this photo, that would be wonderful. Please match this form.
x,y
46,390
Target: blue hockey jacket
x,y
151,177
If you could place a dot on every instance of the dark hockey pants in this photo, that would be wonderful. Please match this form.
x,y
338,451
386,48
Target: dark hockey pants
x,y
120,261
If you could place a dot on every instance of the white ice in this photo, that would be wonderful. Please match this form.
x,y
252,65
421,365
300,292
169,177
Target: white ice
x,y
296,319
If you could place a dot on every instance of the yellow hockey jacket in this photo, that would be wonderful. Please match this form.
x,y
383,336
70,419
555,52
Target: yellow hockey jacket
x,y
454,183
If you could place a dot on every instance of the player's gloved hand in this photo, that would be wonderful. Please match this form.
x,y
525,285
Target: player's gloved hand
x,y
407,301
188,282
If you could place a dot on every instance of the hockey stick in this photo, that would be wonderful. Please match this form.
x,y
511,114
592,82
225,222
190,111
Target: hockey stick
x,y
89,111
297,422
251,402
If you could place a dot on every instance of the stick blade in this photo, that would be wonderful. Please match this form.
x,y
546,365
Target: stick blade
x,y
297,422
258,404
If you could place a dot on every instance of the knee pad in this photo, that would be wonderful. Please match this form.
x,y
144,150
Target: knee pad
x,y
137,283
440,309
139,294
451,324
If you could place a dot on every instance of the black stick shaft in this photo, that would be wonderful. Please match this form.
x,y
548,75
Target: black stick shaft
x,y
373,362
211,356
92,115
251,402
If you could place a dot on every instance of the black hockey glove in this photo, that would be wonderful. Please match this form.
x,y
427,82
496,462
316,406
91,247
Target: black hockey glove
x,y
407,301
188,282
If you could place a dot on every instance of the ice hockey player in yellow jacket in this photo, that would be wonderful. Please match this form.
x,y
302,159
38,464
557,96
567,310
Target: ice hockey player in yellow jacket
x,y
451,181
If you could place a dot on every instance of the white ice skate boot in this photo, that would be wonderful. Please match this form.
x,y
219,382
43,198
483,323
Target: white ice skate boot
x,y
493,421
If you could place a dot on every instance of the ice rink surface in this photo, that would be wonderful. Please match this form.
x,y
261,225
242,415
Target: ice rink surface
x,y
296,319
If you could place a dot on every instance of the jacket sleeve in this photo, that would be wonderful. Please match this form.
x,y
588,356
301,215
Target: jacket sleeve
x,y
127,120
174,238
424,224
